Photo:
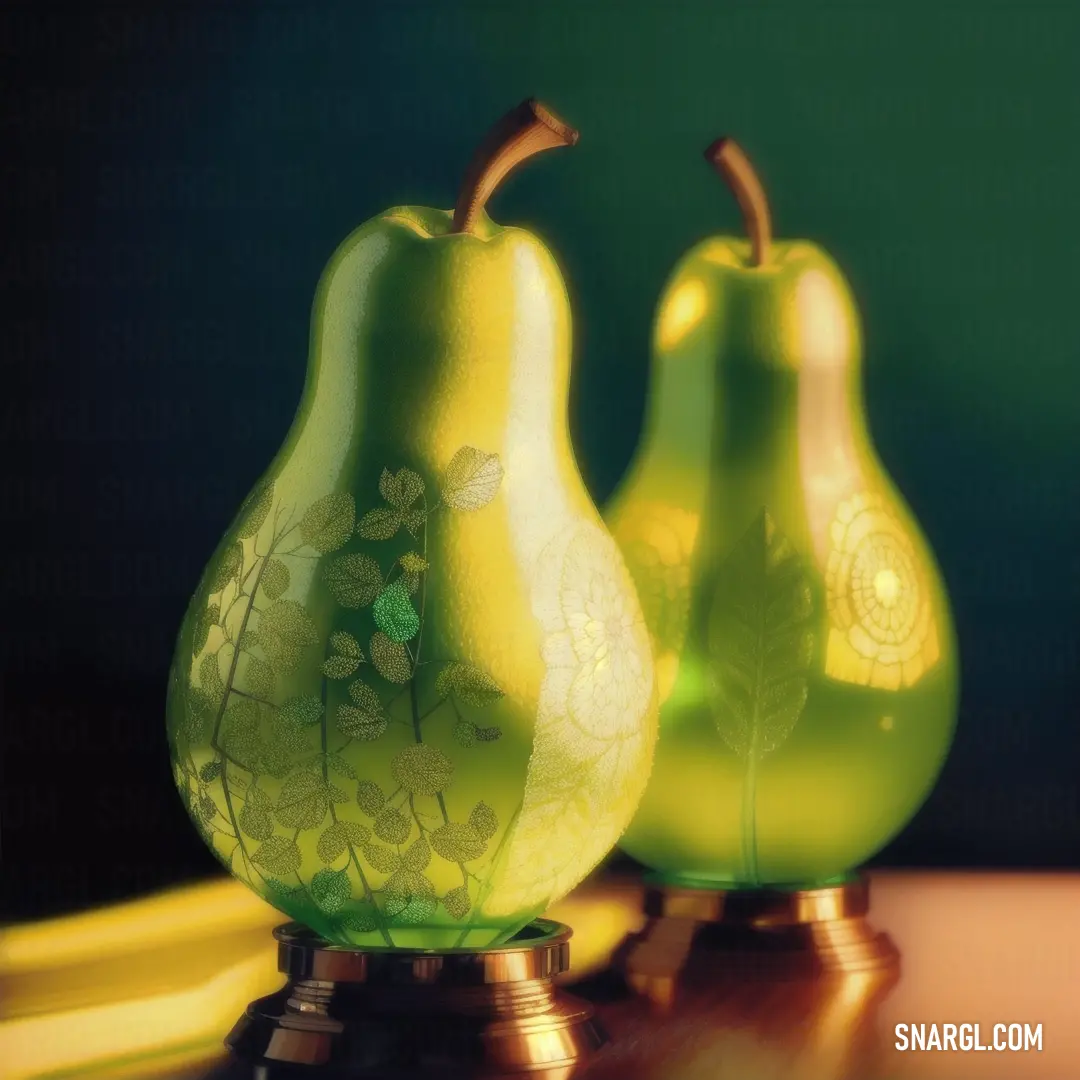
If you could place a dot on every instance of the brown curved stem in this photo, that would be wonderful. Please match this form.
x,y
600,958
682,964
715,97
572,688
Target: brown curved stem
x,y
728,159
521,133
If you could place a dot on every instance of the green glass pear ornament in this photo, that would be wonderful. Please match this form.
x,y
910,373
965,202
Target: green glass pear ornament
x,y
806,662
412,701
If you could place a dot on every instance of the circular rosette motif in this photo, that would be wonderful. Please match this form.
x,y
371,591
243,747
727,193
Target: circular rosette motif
x,y
596,719
882,629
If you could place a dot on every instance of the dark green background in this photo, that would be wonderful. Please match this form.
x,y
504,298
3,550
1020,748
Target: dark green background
x,y
176,178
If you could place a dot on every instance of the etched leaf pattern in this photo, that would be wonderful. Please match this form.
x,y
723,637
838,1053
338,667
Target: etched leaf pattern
x,y
761,640
277,773
472,479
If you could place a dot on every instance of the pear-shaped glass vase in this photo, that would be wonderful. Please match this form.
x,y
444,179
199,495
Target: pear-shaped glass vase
x,y
412,701
806,663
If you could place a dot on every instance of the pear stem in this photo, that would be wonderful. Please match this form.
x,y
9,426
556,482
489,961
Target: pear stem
x,y
728,159
521,133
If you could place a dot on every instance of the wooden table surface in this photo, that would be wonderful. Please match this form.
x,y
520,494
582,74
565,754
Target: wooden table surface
x,y
118,998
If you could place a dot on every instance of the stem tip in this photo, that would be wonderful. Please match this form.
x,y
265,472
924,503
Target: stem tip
x,y
727,158
523,132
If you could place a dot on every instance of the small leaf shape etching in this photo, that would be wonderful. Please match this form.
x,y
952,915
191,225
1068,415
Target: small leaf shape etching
x,y
401,489
422,770
328,522
761,641
470,685
275,579
278,855
354,580
380,524
254,510
472,479
394,614
331,890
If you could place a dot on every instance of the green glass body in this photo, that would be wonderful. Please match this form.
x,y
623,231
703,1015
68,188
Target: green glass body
x,y
806,661
412,701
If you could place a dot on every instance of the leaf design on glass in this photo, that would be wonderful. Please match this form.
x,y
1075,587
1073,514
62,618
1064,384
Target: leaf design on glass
x,y
341,641
472,479
422,770
241,718
465,732
337,764
207,808
362,919
392,826
274,759
484,820
278,855
761,640
337,837
287,620
365,719
285,892
413,519
354,580
409,898
256,821
412,566
370,797
283,656
259,677
256,506
390,658
469,685
328,522
288,735
394,614
302,711
339,667
232,560
457,902
331,890
417,856
197,706
240,733
275,579
400,489
206,619
210,772
488,734
258,798
381,858
379,524
210,678
305,800
458,842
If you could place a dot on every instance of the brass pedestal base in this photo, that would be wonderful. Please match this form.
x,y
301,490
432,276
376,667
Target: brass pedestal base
x,y
695,937
413,1014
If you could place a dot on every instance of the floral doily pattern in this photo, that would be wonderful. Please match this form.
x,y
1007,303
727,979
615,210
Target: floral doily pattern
x,y
882,630
596,719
